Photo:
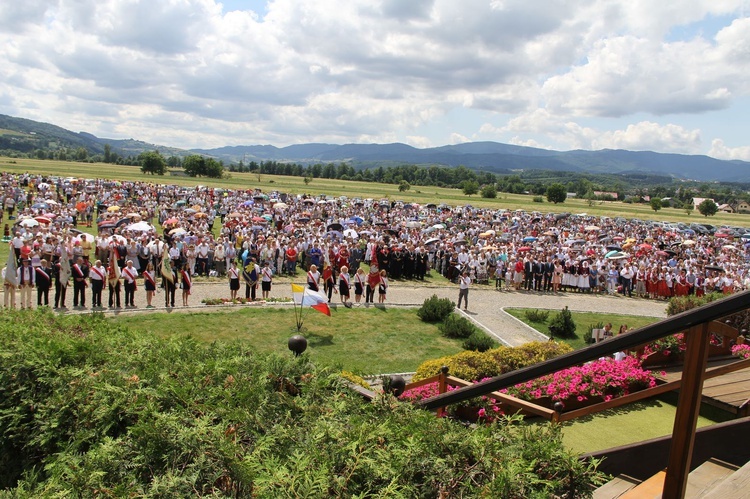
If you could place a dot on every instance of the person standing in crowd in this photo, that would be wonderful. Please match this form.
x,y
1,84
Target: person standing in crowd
x,y
80,274
149,282
26,279
373,281
383,286
61,284
43,283
98,276
169,281
344,285
250,275
265,280
313,278
113,283
129,275
234,279
359,285
186,283
463,289
627,275
329,282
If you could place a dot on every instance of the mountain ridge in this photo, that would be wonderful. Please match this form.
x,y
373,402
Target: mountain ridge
x,y
25,135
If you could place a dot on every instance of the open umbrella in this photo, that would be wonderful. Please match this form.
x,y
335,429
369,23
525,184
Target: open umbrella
x,y
200,215
591,227
259,220
122,221
715,268
351,233
40,206
133,215
413,224
335,226
432,241
113,208
43,220
189,211
688,242
181,202
170,221
617,255
439,226
140,227
280,206
29,222
51,202
84,237
524,248
234,215
529,239
645,246
178,230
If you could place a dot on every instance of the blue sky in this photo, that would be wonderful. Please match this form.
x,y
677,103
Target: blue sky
x,y
558,74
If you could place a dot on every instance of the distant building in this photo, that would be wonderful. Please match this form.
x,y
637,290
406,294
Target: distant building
x,y
606,194
726,208
698,201
743,207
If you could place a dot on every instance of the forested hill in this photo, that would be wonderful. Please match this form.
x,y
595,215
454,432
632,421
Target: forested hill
x,y
33,138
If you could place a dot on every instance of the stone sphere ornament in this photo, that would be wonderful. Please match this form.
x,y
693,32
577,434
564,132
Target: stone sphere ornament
x,y
397,385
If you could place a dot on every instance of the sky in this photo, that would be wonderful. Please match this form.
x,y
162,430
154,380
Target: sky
x,y
557,74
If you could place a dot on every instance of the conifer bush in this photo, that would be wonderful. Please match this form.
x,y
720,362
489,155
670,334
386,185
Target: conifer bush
x,y
562,324
435,309
479,342
455,326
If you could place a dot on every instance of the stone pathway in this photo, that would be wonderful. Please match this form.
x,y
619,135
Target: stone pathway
x,y
485,304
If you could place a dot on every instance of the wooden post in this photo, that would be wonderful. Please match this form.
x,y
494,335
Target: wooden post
x,y
688,407
442,387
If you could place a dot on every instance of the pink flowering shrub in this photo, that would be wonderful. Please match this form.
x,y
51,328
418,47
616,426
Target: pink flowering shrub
x,y
671,345
605,378
741,351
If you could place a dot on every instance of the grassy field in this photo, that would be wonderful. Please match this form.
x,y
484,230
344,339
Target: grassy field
x,y
583,321
418,194
367,341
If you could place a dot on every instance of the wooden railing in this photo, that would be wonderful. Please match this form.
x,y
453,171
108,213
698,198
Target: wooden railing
x,y
696,324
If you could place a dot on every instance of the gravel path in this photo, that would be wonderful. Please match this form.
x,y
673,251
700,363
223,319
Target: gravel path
x,y
485,304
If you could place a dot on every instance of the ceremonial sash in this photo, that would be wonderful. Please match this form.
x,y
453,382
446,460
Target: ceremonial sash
x,y
129,275
80,274
186,279
233,274
359,280
345,278
267,273
97,272
149,278
44,274
311,281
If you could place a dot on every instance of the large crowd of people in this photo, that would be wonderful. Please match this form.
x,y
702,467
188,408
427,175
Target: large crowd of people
x,y
252,236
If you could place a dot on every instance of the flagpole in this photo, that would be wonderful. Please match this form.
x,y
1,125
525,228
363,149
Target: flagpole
x,y
296,319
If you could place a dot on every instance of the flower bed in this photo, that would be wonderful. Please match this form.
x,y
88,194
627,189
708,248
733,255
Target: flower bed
x,y
576,387
242,301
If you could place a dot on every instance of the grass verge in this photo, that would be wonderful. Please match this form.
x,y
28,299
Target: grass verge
x,y
366,341
583,321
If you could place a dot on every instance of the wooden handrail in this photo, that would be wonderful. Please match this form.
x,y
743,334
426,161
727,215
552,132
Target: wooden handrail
x,y
671,325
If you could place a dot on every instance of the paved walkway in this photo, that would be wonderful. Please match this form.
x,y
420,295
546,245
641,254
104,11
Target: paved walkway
x,y
485,304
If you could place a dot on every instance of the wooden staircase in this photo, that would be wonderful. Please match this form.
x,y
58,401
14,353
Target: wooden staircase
x,y
713,479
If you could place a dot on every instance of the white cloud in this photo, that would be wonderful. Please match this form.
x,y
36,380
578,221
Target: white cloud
x,y
721,151
186,73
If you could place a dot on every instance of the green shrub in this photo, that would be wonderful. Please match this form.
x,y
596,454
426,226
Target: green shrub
x,y
479,342
538,199
86,406
357,380
472,366
435,309
536,315
679,304
456,326
562,325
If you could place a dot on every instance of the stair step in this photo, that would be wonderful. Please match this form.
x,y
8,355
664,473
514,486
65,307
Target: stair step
x,y
706,476
648,489
616,487
735,486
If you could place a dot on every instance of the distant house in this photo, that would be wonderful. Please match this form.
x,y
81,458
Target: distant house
x,y
726,208
698,201
743,207
669,202
606,195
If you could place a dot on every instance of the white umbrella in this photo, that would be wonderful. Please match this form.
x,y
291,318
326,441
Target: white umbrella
x,y
29,222
280,206
413,225
140,227
178,230
83,236
51,201
350,233
439,226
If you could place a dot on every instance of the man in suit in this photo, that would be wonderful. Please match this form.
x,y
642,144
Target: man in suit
x,y
43,283
549,269
80,273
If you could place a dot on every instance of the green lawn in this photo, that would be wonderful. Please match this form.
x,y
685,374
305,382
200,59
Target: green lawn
x,y
624,425
366,341
584,321
418,194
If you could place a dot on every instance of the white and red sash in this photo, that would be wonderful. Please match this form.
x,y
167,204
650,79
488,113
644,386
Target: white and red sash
x,y
186,279
99,273
45,275
234,274
345,278
128,273
147,275
359,279
78,271
311,281
267,273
